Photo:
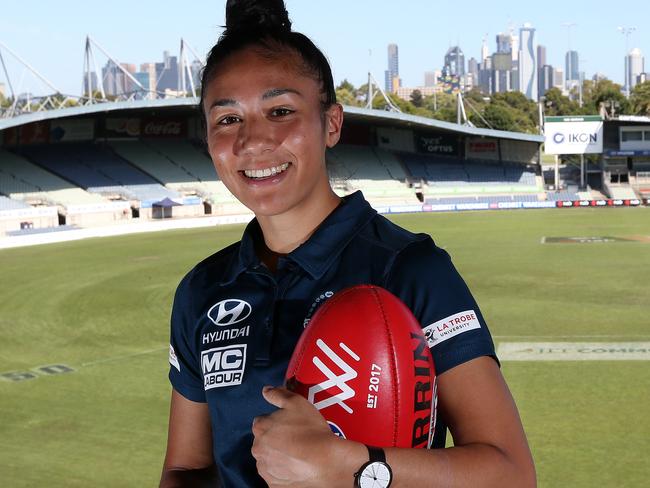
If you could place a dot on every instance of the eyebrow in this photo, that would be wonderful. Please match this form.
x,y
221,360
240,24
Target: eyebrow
x,y
276,92
272,93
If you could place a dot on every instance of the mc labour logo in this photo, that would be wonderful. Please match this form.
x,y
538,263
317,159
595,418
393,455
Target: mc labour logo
x,y
229,312
333,380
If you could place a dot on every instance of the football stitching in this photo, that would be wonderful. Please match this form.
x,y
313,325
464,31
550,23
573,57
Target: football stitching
x,y
375,293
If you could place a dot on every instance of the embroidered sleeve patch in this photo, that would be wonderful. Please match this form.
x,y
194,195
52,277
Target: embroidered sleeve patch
x,y
450,327
173,360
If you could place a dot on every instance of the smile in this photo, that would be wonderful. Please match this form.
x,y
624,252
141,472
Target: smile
x,y
265,173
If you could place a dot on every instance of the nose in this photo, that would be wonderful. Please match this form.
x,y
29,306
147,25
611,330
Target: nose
x,y
255,137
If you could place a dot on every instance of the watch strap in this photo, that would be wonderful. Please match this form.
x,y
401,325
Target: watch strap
x,y
376,454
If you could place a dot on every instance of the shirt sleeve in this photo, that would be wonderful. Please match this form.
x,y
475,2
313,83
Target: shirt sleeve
x,y
184,370
425,279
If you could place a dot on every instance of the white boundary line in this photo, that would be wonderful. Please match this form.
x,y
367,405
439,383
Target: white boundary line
x,y
124,356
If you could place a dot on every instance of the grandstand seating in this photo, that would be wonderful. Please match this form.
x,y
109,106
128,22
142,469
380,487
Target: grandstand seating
x,y
562,196
449,175
22,180
200,176
376,172
99,170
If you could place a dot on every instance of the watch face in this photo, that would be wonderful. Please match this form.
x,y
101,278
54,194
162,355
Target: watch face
x,y
375,475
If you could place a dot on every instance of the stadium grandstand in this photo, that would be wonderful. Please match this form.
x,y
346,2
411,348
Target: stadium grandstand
x,y
142,160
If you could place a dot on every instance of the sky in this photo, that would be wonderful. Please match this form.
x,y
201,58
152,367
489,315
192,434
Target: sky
x,y
354,34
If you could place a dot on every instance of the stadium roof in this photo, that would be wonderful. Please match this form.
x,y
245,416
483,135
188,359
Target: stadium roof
x,y
353,113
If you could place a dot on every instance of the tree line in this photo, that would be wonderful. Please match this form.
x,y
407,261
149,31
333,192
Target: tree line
x,y
511,111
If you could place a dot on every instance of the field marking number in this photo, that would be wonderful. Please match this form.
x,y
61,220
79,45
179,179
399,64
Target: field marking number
x,y
48,370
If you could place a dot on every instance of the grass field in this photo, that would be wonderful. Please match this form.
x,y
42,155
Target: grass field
x,y
101,307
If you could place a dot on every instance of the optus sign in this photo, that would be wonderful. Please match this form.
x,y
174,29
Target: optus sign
x,y
573,135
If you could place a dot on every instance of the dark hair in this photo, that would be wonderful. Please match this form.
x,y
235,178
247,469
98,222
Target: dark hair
x,y
265,23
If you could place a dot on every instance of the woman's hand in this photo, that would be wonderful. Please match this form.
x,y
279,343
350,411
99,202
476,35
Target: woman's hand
x,y
294,446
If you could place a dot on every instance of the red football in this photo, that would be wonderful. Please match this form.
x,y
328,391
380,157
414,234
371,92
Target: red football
x,y
364,363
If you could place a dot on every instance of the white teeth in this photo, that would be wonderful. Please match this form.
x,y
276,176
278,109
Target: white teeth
x,y
264,173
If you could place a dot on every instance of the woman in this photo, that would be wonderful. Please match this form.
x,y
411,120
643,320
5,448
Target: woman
x,y
270,110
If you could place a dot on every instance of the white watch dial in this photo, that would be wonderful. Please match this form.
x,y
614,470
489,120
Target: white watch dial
x,y
375,475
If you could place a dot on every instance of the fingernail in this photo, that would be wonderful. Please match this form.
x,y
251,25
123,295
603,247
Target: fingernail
x,y
267,389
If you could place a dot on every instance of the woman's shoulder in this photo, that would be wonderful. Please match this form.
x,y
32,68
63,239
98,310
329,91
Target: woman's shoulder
x,y
216,268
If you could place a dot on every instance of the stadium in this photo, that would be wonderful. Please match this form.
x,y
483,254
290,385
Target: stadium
x,y
84,323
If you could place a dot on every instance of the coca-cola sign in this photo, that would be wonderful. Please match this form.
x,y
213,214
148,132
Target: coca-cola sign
x,y
164,128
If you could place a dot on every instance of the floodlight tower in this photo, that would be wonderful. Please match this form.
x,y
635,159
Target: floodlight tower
x,y
627,32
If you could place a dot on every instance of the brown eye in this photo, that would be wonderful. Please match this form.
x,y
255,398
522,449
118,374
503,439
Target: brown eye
x,y
281,112
228,120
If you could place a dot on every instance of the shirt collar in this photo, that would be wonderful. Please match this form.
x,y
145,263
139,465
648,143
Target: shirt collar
x,y
325,245
318,253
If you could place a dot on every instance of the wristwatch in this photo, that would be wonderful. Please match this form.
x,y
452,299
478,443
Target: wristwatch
x,y
376,473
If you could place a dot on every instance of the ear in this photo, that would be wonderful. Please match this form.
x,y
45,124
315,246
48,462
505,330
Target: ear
x,y
333,124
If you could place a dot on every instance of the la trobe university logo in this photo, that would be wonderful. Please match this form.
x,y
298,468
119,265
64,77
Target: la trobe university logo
x,y
229,312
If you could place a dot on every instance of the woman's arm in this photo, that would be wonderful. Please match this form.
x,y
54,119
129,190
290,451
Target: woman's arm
x,y
188,461
294,447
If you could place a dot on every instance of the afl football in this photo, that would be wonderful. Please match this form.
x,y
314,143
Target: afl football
x,y
364,363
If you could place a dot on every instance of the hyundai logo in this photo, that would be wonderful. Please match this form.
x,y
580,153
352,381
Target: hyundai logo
x,y
558,138
229,312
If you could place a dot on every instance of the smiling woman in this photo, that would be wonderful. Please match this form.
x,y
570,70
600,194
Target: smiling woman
x,y
270,114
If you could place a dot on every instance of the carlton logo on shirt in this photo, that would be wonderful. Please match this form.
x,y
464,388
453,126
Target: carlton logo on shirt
x,y
229,312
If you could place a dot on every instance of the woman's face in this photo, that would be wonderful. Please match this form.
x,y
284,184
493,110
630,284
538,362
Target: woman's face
x,y
266,132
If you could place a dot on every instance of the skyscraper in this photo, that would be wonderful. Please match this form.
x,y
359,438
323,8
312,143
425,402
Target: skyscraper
x,y
635,66
391,81
527,64
571,66
546,79
167,73
454,62
504,43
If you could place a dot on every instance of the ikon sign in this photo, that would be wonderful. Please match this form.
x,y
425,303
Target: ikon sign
x,y
573,135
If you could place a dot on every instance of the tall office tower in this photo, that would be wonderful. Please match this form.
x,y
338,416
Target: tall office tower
x,y
485,76
391,81
484,51
504,43
150,69
546,79
571,66
501,72
454,62
514,45
635,66
541,62
167,73
472,68
527,64
430,78
558,79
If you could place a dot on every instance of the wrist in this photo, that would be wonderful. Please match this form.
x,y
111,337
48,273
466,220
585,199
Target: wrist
x,y
348,457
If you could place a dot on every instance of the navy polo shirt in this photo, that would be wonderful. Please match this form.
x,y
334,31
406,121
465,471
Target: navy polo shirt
x,y
235,324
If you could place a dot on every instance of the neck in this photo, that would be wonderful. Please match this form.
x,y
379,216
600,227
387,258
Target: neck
x,y
285,232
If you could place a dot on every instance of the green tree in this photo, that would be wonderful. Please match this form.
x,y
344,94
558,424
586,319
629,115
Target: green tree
x,y
605,91
346,85
640,99
500,117
556,103
416,98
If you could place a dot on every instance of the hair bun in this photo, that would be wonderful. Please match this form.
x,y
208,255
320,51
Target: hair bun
x,y
256,14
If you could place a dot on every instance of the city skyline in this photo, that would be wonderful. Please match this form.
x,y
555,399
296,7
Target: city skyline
x,y
354,38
